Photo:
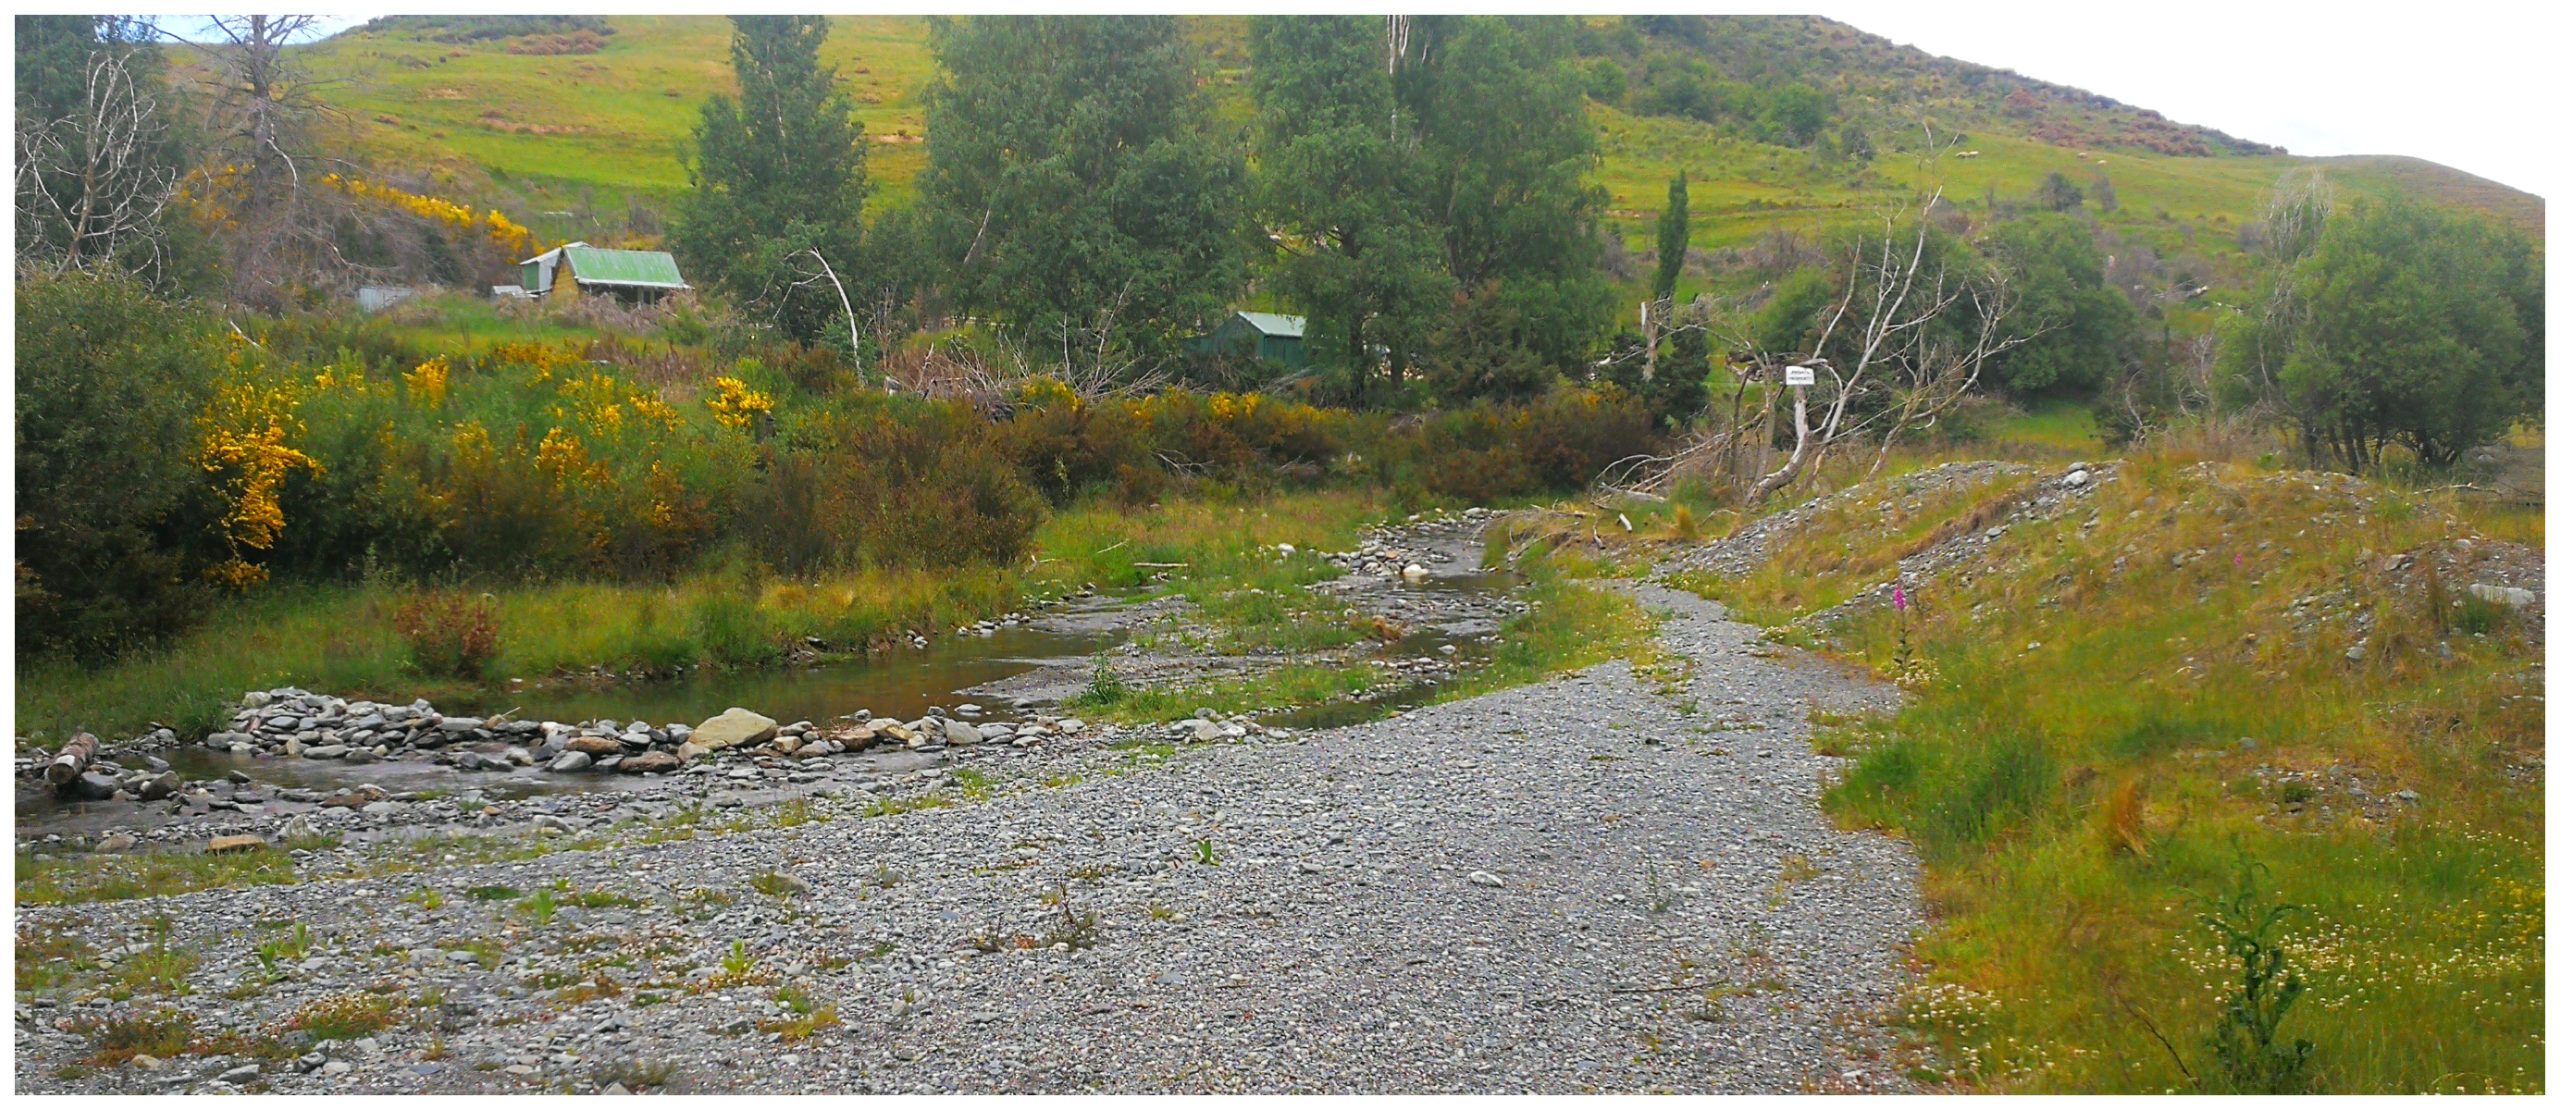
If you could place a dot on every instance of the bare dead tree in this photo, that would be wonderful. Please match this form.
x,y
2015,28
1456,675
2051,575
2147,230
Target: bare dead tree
x,y
2294,214
88,183
1895,366
827,273
265,117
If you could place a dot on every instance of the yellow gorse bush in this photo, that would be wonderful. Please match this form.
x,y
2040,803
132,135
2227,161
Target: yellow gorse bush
x,y
506,233
544,359
734,405
246,439
427,383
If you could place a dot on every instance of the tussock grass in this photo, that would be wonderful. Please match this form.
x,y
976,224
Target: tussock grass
x,y
2128,717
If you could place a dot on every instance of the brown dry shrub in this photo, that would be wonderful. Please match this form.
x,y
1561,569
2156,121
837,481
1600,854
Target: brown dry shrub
x,y
450,632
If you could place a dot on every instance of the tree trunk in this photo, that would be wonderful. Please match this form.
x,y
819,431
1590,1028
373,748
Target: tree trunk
x,y
1777,479
73,759
1652,337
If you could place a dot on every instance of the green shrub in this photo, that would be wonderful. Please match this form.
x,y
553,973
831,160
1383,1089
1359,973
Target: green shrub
x,y
112,509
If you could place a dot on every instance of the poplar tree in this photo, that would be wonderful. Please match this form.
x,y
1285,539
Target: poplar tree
x,y
1671,239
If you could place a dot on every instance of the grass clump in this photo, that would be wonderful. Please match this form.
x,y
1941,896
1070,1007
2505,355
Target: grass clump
x,y
163,1033
805,1015
110,878
344,1017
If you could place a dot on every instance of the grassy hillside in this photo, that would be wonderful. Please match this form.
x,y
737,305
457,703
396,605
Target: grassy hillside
x,y
566,142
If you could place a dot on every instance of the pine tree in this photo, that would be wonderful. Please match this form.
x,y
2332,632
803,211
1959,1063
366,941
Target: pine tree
x,y
778,180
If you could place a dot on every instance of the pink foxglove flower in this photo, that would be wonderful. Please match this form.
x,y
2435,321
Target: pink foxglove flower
x,y
1899,604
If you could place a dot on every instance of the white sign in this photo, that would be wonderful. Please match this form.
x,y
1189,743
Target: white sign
x,y
1799,375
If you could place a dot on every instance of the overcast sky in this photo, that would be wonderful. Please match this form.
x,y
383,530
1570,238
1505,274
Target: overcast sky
x,y
2465,84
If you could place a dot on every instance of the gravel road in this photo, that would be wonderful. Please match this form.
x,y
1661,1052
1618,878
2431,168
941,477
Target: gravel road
x,y
1598,883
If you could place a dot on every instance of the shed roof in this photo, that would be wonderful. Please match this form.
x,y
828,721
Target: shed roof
x,y
1272,323
648,269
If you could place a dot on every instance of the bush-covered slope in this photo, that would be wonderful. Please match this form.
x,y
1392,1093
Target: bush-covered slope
x,y
568,125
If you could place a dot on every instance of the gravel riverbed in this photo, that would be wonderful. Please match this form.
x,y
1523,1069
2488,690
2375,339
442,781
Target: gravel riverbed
x,y
1610,881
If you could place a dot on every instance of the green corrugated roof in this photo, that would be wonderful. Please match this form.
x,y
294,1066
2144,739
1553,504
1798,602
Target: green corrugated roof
x,y
1272,323
596,265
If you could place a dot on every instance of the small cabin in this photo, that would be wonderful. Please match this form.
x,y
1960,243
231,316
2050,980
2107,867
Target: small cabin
x,y
1262,335
640,277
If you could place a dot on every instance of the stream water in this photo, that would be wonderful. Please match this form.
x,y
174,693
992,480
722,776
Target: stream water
x,y
902,684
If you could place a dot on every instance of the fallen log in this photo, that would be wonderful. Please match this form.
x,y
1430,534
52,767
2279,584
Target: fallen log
x,y
73,759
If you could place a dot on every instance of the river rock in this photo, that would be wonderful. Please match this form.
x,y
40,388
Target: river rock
x,y
961,734
650,762
573,761
2501,595
357,798
324,751
92,786
734,728
234,844
159,786
361,755
459,724
596,747
689,751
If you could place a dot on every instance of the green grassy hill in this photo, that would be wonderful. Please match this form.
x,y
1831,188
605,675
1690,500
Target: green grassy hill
x,y
568,142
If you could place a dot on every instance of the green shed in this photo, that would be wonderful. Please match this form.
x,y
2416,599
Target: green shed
x,y
1264,335
633,275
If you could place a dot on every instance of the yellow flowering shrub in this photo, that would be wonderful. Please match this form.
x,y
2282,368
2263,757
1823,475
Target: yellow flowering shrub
x,y
506,234
427,383
734,405
246,441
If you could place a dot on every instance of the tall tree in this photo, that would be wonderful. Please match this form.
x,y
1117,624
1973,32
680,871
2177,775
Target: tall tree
x,y
1082,188
1497,121
2412,327
1358,254
2058,281
52,62
272,219
1671,239
775,215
